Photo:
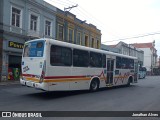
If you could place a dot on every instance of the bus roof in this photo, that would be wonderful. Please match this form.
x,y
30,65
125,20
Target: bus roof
x,y
66,44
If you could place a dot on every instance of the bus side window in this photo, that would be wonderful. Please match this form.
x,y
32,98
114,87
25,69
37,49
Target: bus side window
x,y
80,58
104,61
95,59
60,56
118,62
131,64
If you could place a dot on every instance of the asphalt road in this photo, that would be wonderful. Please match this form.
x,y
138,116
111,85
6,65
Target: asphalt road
x,y
143,96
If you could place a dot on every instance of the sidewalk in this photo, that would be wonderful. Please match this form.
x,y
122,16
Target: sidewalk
x,y
4,83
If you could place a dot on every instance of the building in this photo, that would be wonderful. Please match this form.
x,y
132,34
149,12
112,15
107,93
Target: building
x,y
73,30
23,20
158,62
130,50
150,55
110,48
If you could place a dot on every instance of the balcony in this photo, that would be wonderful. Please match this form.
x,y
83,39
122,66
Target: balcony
x,y
32,33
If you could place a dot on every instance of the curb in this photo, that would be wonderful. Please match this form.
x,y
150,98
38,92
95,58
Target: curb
x,y
5,83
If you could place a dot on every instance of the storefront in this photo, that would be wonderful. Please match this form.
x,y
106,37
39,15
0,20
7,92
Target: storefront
x,y
14,67
12,55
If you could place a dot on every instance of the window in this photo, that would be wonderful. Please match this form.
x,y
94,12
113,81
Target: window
x,y
92,44
60,32
127,63
34,49
78,38
98,45
33,22
16,16
60,56
104,61
118,62
86,40
95,59
80,58
130,63
47,28
70,35
124,63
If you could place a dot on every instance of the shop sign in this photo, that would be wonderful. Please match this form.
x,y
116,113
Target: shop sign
x,y
15,45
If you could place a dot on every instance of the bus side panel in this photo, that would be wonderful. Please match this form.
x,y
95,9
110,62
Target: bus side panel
x,y
58,77
122,77
87,75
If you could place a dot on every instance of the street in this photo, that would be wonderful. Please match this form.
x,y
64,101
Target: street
x,y
143,96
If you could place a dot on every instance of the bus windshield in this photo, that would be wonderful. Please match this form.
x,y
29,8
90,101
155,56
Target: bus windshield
x,y
143,69
34,49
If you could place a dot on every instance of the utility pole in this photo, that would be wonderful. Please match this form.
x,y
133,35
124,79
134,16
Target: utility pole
x,y
65,9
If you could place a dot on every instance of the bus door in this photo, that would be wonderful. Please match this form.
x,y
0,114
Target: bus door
x,y
136,69
110,71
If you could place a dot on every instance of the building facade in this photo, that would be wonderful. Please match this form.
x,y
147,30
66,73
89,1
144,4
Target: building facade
x,y
109,48
73,30
130,50
23,20
150,55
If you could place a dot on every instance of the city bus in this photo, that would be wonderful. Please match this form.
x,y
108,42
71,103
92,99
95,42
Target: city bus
x,y
142,72
53,65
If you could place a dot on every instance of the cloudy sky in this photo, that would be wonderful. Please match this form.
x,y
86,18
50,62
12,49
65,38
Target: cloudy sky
x,y
119,19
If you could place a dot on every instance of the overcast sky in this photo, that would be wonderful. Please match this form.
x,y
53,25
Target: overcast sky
x,y
118,19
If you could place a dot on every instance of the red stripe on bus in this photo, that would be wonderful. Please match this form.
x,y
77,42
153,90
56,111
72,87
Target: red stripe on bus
x,y
28,75
52,77
58,77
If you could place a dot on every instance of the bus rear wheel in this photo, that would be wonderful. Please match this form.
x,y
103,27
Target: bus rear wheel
x,y
94,86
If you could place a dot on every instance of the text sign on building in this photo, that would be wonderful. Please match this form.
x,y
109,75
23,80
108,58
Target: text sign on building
x,y
15,45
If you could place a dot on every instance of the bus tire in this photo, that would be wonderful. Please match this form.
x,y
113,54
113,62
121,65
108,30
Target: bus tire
x,y
144,76
129,81
94,86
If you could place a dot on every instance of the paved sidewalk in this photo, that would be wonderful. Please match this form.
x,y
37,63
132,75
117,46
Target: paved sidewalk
x,y
9,82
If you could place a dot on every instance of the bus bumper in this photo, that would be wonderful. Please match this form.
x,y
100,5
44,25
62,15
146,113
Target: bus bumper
x,y
41,86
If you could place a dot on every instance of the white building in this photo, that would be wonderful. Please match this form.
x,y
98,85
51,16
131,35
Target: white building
x,y
150,54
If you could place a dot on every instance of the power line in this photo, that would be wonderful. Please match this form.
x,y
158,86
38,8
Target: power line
x,y
85,14
148,34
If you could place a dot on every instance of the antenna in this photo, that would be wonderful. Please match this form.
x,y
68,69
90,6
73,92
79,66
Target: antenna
x,y
65,9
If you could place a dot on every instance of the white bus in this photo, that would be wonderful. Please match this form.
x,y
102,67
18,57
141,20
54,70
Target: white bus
x,y
142,72
52,65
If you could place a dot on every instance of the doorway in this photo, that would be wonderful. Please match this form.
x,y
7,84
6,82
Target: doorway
x,y
110,71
